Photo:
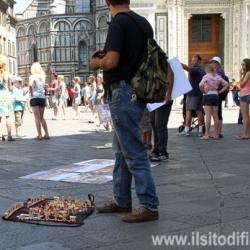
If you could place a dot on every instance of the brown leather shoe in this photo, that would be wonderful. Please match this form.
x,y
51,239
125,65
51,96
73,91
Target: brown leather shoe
x,y
141,214
112,207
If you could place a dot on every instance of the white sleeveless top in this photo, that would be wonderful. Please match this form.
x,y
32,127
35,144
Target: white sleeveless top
x,y
38,89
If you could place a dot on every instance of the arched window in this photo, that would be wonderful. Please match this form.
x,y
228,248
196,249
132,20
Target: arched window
x,y
43,41
20,32
32,31
34,54
80,26
103,22
44,36
62,41
83,54
103,30
63,34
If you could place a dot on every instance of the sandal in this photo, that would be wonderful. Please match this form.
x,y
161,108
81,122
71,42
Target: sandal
x,y
46,137
242,138
205,138
2,138
10,138
38,138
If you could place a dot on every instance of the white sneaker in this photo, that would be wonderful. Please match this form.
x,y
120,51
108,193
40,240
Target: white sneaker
x,y
184,133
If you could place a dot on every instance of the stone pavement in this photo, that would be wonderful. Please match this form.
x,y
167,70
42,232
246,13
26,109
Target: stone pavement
x,y
204,187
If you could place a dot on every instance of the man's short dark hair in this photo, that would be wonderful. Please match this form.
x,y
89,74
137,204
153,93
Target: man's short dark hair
x,y
117,2
198,57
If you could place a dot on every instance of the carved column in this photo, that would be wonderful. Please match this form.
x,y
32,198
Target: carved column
x,y
236,39
187,17
176,28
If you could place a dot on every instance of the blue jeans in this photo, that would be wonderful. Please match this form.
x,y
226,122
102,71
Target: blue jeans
x,y
131,158
245,98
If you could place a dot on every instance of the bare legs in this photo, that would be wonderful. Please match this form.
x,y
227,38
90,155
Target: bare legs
x,y
211,111
61,107
217,127
8,127
75,108
200,117
189,116
244,107
40,122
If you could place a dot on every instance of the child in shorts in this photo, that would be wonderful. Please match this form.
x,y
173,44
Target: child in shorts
x,y
210,85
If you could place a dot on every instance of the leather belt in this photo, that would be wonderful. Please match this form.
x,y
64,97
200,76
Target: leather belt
x,y
117,85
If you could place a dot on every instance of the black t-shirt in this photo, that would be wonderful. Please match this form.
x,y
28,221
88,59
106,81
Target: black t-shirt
x,y
195,77
126,37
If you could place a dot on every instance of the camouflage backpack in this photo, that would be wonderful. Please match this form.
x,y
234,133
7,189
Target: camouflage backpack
x,y
150,82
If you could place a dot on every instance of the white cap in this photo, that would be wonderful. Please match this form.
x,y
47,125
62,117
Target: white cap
x,y
18,79
216,59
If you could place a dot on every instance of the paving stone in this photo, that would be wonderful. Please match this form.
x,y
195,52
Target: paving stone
x,y
203,187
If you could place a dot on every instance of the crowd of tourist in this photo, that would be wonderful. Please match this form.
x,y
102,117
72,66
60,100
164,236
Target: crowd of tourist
x,y
210,87
35,95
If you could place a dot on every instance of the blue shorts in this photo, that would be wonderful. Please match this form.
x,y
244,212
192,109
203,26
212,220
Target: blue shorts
x,y
245,98
40,102
93,101
210,100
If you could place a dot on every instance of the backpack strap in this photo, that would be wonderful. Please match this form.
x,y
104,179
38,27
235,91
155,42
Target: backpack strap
x,y
131,16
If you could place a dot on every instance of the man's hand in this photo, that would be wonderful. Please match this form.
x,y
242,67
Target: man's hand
x,y
168,97
99,54
109,61
94,63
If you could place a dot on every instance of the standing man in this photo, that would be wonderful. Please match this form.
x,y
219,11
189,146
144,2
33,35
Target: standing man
x,y
194,97
124,50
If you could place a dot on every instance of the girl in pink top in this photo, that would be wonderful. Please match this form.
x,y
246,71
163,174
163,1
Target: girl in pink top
x,y
210,85
245,97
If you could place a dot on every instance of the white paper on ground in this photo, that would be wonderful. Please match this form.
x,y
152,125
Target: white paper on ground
x,y
181,83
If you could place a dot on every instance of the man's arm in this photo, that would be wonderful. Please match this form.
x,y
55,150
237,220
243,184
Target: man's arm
x,y
185,67
55,88
108,62
168,97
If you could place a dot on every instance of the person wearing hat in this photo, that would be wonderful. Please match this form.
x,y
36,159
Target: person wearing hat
x,y
216,63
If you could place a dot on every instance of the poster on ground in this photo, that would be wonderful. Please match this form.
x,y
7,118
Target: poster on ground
x,y
95,171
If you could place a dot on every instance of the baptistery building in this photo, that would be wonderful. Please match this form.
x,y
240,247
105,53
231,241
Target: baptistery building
x,y
62,34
